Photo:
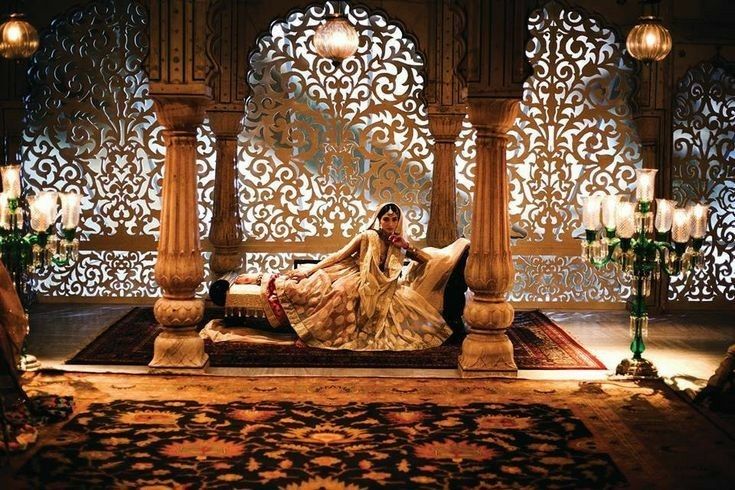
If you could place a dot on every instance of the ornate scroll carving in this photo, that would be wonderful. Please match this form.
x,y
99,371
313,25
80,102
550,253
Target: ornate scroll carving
x,y
544,279
574,136
323,145
92,128
704,171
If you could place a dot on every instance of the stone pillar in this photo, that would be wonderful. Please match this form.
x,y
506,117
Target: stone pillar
x,y
179,268
487,351
225,234
442,230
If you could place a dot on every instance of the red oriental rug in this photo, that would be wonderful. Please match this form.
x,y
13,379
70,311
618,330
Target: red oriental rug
x,y
538,343
132,431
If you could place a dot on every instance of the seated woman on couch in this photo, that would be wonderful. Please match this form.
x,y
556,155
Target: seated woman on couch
x,y
356,298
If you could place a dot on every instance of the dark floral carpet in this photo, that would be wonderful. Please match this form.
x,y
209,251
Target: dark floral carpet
x,y
22,418
538,343
300,445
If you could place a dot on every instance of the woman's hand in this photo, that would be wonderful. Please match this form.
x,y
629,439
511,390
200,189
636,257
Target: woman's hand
x,y
398,241
248,279
297,275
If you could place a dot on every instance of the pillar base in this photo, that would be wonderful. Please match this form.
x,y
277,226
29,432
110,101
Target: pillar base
x,y
637,368
179,348
179,345
487,355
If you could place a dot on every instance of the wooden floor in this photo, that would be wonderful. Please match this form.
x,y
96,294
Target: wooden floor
x,y
686,347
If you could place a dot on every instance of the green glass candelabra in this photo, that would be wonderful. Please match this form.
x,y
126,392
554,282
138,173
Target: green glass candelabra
x,y
28,241
622,233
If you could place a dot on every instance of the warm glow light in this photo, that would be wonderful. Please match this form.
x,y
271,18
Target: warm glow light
x,y
11,180
591,213
43,210
680,229
625,217
13,34
18,38
699,220
4,216
609,208
336,39
70,209
664,215
648,40
645,183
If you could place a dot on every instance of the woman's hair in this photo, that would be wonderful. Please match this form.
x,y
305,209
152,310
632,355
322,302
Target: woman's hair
x,y
389,207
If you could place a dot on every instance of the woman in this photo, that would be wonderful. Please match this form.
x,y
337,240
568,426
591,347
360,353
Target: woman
x,y
354,299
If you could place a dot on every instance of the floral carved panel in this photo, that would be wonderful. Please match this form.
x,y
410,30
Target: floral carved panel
x,y
323,144
703,170
91,128
574,137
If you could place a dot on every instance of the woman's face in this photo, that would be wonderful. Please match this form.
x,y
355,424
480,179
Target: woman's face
x,y
389,222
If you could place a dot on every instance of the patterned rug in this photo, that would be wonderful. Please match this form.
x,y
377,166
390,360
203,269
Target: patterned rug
x,y
300,433
538,343
304,445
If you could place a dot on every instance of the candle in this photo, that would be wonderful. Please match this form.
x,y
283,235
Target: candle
x,y
4,216
625,217
645,180
43,210
38,219
664,215
680,228
609,206
11,180
591,213
699,220
70,210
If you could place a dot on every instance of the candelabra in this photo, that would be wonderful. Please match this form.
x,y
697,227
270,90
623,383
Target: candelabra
x,y
28,241
622,233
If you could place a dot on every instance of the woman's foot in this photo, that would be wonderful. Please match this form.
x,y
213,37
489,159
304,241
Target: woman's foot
x,y
300,344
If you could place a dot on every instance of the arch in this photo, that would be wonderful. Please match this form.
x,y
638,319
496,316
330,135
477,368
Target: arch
x,y
91,128
321,144
573,137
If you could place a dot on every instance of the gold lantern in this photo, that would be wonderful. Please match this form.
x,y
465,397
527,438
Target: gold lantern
x,y
336,39
649,40
18,38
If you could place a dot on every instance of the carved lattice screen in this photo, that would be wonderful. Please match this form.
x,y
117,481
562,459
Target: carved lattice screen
x,y
104,139
574,137
91,128
322,145
704,171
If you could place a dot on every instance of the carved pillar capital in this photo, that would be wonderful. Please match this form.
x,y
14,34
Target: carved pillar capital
x,y
225,124
225,233
492,117
489,273
179,267
180,107
445,127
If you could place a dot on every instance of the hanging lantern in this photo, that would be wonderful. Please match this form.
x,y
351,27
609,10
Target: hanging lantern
x,y
649,40
18,38
336,39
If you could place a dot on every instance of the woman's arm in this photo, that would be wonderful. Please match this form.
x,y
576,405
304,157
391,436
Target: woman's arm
x,y
417,254
350,249
412,253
